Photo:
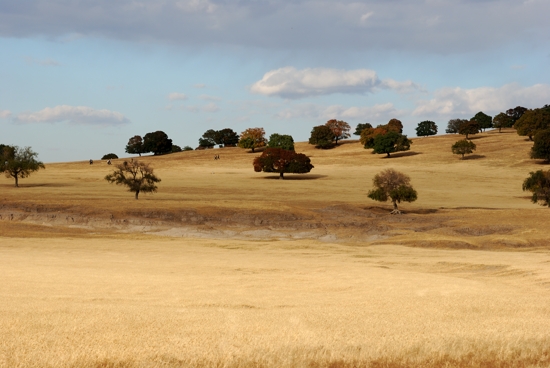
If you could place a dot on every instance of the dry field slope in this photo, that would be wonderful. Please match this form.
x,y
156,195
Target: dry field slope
x,y
226,267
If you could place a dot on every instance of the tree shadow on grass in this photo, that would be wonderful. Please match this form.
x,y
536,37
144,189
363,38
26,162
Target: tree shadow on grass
x,y
42,185
294,177
472,138
542,162
403,154
472,157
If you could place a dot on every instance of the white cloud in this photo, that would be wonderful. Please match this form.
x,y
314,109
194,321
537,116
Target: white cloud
x,y
290,82
78,115
378,113
458,101
175,96
211,107
4,114
366,16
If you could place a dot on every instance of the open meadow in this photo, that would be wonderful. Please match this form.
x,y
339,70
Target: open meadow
x,y
226,267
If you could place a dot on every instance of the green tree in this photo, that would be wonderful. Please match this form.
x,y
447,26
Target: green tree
x,y
176,148
453,125
157,142
426,128
469,127
283,141
188,148
19,162
135,145
340,129
463,147
282,161
208,139
252,138
516,113
538,183
541,146
502,120
484,120
391,142
394,185
137,176
109,156
227,138
322,137
361,127
532,121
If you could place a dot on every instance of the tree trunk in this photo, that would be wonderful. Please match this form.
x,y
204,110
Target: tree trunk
x,y
387,154
281,176
16,180
463,156
137,193
252,149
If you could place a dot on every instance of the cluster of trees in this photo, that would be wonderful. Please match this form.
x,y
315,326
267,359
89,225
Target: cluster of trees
x,y
328,135
388,138
18,162
156,142
223,138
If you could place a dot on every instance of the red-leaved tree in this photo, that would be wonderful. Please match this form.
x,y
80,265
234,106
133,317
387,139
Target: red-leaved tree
x,y
282,161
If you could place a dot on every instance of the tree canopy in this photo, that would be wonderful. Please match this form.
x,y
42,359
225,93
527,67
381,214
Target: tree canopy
x,y
426,128
340,129
538,183
283,141
18,162
394,185
532,121
484,120
541,146
453,125
502,120
321,136
252,138
360,127
282,161
109,156
135,145
463,147
391,142
224,138
368,134
516,113
157,142
136,175
469,127
395,125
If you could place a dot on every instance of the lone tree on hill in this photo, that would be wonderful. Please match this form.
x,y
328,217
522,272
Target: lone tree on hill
x,y
469,127
340,129
463,147
283,141
361,127
538,183
157,142
252,138
502,121
391,142
227,138
109,156
135,175
17,162
453,125
426,128
484,120
541,147
532,121
391,184
282,161
135,145
321,136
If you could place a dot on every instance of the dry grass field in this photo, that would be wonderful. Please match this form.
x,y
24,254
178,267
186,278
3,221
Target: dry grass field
x,y
225,267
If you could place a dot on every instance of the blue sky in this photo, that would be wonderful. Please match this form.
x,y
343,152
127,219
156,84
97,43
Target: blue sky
x,y
79,78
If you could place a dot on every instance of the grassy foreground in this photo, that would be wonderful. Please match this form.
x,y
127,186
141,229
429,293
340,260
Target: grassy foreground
x,y
219,270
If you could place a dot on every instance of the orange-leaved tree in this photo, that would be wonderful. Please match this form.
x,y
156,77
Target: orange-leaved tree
x,y
252,138
340,129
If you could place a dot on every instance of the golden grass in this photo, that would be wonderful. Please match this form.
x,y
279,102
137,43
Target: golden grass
x,y
254,272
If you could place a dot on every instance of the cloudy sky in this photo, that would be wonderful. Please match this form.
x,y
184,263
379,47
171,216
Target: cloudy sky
x,y
78,78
